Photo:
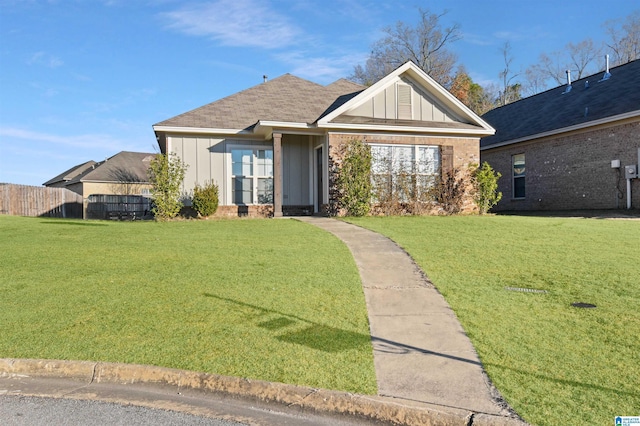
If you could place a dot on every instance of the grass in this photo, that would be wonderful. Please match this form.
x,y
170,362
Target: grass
x,y
554,363
275,300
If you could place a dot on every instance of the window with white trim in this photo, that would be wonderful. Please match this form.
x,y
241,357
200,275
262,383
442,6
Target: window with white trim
x,y
252,175
405,172
519,172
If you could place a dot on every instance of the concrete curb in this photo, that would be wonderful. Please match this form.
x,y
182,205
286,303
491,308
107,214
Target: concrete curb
x,y
318,400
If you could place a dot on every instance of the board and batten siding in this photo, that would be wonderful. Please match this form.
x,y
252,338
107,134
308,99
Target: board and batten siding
x,y
209,159
296,160
385,105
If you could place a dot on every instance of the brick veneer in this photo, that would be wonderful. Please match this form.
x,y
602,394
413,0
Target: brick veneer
x,y
571,171
464,150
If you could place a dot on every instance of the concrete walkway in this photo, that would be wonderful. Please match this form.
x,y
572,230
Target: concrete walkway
x,y
422,355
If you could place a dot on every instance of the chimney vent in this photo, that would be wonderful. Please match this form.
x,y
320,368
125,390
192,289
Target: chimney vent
x,y
607,74
568,88
265,78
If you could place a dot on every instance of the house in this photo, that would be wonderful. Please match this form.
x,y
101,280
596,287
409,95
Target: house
x,y
271,148
571,147
124,174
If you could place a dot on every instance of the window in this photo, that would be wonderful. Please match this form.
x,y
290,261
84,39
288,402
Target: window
x,y
518,176
404,172
252,176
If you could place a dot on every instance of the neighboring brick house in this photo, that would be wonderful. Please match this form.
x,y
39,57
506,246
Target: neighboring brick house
x,y
568,147
268,147
123,174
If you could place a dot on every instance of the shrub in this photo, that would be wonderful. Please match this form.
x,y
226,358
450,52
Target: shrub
x,y
166,172
451,190
486,187
353,178
205,199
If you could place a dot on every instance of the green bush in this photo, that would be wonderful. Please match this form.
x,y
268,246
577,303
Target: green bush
x,y
486,185
166,172
205,199
354,178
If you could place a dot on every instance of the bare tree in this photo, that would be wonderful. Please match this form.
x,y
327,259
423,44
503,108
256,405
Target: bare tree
x,y
582,55
579,58
510,92
535,81
624,38
425,45
553,67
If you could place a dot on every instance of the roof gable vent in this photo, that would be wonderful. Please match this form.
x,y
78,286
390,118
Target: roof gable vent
x,y
404,102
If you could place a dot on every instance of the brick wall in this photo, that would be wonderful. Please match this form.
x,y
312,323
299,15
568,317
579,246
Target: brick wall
x,y
464,150
571,171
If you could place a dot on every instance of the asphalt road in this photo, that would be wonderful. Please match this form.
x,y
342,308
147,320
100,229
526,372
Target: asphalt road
x,y
36,411
38,401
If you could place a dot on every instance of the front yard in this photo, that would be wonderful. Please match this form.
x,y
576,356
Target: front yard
x,y
280,300
555,364
265,299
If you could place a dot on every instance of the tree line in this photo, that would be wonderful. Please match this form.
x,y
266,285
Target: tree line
x,y
427,44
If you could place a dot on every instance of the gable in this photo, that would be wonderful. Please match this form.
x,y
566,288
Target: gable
x,y
407,99
125,166
403,100
71,174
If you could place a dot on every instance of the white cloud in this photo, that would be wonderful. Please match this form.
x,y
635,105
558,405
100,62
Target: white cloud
x,y
321,69
77,141
235,23
528,33
477,39
45,59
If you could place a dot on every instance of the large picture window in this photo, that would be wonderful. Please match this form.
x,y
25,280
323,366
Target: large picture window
x,y
404,172
519,172
252,175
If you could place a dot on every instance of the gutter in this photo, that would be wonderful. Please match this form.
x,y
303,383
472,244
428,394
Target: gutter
x,y
575,127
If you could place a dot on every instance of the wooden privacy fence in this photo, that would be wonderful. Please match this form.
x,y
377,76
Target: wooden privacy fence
x,y
23,200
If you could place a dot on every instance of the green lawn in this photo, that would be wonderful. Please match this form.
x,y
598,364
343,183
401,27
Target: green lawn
x,y
276,300
554,363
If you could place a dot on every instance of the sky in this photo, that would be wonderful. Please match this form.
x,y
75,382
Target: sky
x,y
83,80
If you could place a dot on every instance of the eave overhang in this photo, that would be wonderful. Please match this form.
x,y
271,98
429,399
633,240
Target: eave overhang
x,y
201,130
408,129
602,121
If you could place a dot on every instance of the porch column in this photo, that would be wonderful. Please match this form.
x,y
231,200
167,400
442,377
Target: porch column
x,y
277,175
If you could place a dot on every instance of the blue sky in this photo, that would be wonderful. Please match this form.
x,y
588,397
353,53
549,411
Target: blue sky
x,y
85,79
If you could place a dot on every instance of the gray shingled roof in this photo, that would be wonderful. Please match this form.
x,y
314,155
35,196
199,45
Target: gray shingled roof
x,y
287,98
73,172
125,166
553,110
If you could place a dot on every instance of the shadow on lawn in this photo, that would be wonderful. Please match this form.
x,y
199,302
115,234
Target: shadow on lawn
x,y
315,335
568,382
72,222
330,339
